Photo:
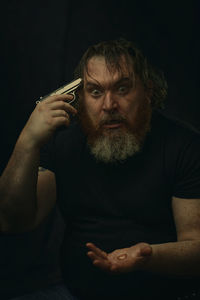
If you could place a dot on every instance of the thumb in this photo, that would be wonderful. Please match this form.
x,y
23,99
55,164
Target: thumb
x,y
146,250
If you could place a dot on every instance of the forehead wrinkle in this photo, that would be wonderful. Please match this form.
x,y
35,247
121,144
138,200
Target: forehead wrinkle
x,y
106,83
93,81
98,63
111,84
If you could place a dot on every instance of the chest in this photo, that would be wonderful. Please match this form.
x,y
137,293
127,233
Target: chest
x,y
138,189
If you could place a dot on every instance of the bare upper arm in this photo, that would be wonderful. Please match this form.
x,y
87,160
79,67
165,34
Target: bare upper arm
x,y
187,218
46,193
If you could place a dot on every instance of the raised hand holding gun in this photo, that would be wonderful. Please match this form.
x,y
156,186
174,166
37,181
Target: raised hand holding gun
x,y
50,114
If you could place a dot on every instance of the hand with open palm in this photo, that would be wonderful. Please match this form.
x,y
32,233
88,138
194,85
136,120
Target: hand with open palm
x,y
120,260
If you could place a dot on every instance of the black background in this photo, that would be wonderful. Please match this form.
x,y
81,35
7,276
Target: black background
x,y
42,42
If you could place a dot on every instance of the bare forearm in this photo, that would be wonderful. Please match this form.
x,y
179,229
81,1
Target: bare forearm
x,y
177,259
19,181
18,187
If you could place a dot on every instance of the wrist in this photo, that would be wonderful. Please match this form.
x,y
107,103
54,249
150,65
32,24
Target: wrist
x,y
27,144
146,255
151,261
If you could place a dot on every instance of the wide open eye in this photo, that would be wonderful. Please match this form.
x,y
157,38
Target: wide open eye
x,y
96,93
123,89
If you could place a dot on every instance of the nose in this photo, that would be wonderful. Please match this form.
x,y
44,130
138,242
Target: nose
x,y
109,102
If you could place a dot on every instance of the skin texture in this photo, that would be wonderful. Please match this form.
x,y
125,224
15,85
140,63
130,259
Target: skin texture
x,y
20,180
46,118
104,91
121,260
102,95
107,92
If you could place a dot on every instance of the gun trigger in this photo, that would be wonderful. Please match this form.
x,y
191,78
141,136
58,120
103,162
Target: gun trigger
x,y
74,95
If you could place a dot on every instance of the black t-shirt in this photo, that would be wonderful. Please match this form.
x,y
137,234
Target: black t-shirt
x,y
117,206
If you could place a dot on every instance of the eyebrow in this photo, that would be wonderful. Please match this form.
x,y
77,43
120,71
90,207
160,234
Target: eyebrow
x,y
92,84
116,83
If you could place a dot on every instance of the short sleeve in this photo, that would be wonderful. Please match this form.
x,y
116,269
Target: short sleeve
x,y
187,175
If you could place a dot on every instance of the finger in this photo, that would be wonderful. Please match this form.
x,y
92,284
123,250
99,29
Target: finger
x,y
103,265
107,266
53,98
94,256
59,113
60,121
62,105
99,262
146,251
56,105
97,250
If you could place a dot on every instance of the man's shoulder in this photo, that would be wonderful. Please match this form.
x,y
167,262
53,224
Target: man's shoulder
x,y
170,126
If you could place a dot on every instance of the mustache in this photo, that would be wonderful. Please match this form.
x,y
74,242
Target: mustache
x,y
112,118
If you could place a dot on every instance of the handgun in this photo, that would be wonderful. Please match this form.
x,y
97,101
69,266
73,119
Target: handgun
x,y
69,88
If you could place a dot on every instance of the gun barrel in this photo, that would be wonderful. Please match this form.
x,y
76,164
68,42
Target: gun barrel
x,y
65,89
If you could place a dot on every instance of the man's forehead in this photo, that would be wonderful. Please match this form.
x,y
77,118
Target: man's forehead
x,y
98,68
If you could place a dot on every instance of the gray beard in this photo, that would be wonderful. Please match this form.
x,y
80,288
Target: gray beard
x,y
115,147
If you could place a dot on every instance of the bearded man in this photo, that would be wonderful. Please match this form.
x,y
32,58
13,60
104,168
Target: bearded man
x,y
126,179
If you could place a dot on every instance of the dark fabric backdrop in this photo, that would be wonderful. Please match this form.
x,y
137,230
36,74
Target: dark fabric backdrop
x,y
42,42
